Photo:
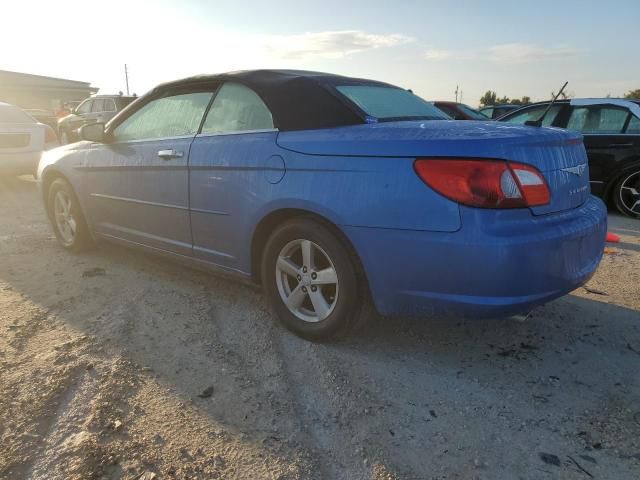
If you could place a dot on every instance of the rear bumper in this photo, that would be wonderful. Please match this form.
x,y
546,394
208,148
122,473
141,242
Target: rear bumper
x,y
500,263
19,163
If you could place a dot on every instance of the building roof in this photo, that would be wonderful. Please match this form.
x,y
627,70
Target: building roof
x,y
30,81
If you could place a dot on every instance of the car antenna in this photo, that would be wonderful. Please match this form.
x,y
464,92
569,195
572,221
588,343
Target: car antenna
x,y
538,122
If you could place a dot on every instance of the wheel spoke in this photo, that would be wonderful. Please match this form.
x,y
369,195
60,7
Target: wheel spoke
x,y
632,190
287,266
633,208
320,305
326,276
72,225
296,298
307,254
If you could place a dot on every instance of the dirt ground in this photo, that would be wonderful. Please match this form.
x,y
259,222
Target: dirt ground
x,y
119,365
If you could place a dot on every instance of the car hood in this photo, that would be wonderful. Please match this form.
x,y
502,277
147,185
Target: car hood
x,y
430,138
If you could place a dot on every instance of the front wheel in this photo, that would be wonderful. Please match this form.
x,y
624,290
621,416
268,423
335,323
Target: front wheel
x,y
66,217
626,194
311,280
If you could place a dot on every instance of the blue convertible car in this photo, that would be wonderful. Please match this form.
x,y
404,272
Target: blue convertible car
x,y
327,189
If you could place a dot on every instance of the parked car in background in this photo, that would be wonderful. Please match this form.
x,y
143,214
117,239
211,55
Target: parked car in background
x,y
44,116
459,111
100,108
496,111
611,130
22,141
355,188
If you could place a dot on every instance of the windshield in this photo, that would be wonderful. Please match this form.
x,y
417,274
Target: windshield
x,y
390,103
471,112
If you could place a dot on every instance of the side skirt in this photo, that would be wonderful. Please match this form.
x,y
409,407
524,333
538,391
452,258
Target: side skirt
x,y
195,263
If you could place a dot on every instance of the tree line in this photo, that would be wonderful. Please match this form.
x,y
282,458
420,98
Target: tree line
x,y
491,98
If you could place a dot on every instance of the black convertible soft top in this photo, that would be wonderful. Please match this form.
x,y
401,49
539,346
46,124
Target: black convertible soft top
x,y
298,100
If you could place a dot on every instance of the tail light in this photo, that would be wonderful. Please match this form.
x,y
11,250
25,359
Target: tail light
x,y
50,135
485,183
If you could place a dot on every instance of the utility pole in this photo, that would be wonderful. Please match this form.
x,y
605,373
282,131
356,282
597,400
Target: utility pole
x,y
456,93
126,78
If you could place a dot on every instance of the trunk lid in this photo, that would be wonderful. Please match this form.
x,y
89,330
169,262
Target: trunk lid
x,y
558,154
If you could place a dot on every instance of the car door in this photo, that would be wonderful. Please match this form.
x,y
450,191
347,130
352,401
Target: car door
x,y
609,148
80,115
138,181
231,160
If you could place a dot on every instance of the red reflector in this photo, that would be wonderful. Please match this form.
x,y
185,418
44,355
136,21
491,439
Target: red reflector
x,y
484,183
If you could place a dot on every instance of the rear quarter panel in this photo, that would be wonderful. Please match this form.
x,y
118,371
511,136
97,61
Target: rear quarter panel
x,y
235,184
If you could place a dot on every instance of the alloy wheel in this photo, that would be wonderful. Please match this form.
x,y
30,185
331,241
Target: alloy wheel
x,y
307,280
630,193
65,222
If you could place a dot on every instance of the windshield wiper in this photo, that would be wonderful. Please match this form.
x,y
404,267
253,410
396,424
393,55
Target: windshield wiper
x,y
538,122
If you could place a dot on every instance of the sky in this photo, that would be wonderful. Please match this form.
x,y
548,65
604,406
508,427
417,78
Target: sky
x,y
515,48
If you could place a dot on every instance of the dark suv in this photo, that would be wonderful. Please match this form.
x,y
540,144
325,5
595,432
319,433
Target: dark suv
x,y
100,108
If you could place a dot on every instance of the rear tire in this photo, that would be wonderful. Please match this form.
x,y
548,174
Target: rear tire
x,y
311,280
626,194
66,217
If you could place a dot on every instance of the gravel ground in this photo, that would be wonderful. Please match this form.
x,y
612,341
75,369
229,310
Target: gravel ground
x,y
118,365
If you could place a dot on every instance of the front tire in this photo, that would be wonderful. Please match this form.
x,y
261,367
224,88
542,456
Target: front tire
x,y
311,280
626,194
66,217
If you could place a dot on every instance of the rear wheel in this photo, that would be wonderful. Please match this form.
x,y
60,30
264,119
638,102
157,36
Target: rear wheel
x,y
311,280
66,217
626,194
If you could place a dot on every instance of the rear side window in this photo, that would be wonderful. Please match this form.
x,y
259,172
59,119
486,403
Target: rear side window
x,y
11,114
596,119
388,103
534,113
448,110
166,117
109,105
487,112
237,108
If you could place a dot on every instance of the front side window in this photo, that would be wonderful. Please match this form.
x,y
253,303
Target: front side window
x,y
98,105
237,108
534,113
173,116
598,119
391,103
84,107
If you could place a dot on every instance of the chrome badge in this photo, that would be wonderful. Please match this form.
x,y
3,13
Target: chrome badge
x,y
577,170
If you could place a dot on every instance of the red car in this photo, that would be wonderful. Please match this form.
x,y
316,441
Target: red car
x,y
460,111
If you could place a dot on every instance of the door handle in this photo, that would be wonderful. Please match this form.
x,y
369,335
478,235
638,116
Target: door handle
x,y
620,145
169,154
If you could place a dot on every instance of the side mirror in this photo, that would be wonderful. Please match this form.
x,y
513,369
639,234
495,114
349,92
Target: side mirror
x,y
94,132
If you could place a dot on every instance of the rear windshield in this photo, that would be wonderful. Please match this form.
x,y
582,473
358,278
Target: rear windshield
x,y
389,103
471,112
11,114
